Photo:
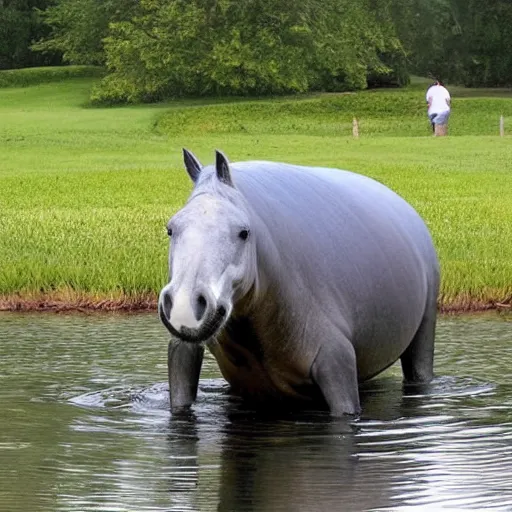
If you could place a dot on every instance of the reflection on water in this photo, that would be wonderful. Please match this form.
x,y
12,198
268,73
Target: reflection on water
x,y
84,426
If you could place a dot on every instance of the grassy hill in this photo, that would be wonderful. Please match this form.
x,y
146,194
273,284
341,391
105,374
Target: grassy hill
x,y
390,113
85,192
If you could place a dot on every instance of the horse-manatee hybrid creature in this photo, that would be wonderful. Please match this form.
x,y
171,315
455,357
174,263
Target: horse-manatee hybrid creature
x,y
301,281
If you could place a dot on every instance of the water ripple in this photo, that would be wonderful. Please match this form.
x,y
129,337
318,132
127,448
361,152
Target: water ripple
x,y
85,426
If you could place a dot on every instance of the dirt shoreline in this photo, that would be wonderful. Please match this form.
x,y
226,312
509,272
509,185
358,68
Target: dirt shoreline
x,y
81,304
71,302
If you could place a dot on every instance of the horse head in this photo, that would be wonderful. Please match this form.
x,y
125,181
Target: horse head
x,y
212,256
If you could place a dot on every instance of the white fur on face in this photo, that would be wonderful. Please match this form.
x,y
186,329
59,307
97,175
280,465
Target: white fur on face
x,y
226,280
182,314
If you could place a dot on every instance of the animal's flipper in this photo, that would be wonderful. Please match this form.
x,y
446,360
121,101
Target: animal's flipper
x,y
184,366
334,371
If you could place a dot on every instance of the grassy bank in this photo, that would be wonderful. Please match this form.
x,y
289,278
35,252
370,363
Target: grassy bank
x,y
85,192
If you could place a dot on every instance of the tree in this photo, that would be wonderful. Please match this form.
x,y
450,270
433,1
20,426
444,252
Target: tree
x,y
484,42
205,47
20,25
463,41
78,28
160,48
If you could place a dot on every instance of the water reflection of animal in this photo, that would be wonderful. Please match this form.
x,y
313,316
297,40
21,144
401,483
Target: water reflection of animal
x,y
297,466
253,462
302,281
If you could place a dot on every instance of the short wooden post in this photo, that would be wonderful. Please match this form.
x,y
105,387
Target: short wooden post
x,y
502,126
355,128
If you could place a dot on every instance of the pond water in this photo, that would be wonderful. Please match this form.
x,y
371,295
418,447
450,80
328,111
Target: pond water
x,y
84,426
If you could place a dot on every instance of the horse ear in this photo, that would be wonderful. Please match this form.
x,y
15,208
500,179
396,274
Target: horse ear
x,y
192,165
222,168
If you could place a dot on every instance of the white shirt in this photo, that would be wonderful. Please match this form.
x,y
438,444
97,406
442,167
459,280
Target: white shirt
x,y
439,98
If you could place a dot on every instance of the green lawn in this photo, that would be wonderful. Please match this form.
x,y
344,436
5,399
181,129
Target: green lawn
x,y
85,192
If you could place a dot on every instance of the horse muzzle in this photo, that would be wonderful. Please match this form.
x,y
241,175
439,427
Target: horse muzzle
x,y
194,318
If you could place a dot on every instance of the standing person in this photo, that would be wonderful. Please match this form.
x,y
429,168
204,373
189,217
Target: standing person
x,y
438,100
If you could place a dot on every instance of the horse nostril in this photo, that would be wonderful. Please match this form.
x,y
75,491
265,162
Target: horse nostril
x,y
167,304
165,307
221,311
200,306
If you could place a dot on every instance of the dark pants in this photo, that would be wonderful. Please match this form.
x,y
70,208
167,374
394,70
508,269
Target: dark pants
x,y
432,118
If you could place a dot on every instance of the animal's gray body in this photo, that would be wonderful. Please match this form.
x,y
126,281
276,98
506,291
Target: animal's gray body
x,y
340,280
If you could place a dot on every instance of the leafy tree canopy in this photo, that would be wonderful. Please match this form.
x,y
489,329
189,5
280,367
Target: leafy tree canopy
x,y
155,49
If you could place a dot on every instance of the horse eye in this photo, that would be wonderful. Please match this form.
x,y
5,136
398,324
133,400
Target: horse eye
x,y
244,234
169,231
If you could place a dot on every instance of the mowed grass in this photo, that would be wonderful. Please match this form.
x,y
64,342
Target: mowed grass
x,y
391,113
85,193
